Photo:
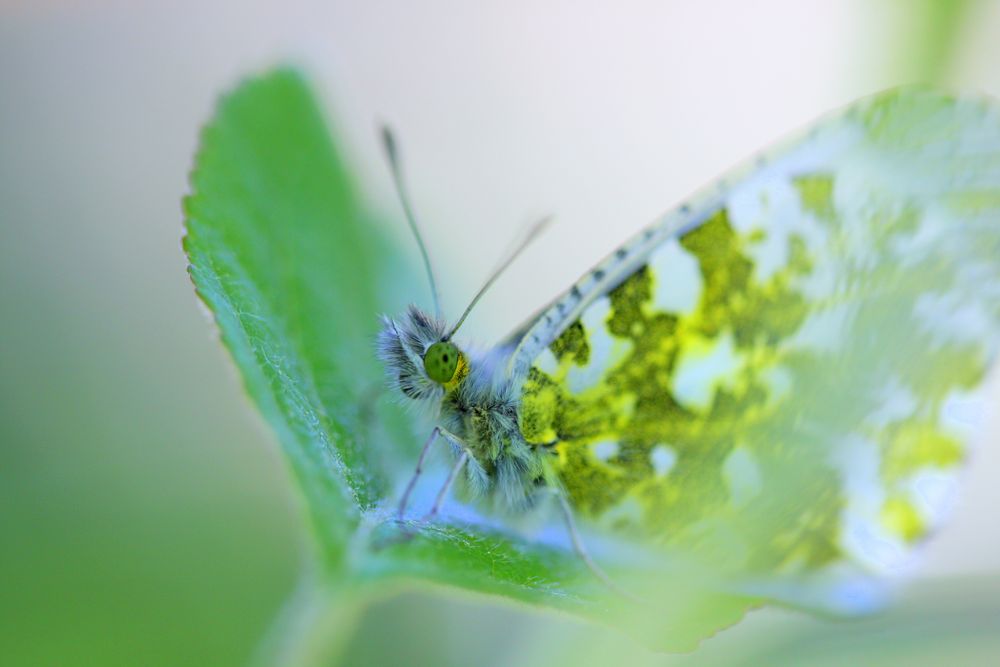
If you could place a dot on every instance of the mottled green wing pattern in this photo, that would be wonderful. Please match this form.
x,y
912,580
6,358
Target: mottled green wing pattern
x,y
782,378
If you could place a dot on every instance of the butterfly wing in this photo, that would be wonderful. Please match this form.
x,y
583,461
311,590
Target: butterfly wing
x,y
783,376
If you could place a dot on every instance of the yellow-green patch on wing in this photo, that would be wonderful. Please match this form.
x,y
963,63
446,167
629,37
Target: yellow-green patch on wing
x,y
774,384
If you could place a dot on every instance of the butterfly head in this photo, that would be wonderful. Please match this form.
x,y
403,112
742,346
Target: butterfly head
x,y
419,357
441,361
417,351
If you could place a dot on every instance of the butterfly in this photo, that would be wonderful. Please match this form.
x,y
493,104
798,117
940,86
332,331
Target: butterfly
x,y
780,377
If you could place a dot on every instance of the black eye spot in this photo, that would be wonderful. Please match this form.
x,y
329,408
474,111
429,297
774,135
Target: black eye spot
x,y
438,362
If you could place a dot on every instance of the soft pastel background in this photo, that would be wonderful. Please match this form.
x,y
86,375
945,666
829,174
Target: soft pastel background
x,y
145,515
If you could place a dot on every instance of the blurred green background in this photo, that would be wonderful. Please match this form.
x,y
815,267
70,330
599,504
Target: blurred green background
x,y
145,514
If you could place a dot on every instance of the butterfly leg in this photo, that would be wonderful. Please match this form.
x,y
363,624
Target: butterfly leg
x,y
581,549
447,484
416,473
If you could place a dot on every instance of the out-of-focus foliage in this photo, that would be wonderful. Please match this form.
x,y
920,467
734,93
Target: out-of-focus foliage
x,y
934,624
927,34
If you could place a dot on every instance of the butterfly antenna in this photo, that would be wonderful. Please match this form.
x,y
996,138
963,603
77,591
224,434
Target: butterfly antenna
x,y
392,154
532,234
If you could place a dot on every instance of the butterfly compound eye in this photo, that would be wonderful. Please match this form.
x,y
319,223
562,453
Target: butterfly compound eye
x,y
441,362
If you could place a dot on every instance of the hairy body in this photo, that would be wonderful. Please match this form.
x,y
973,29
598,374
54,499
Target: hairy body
x,y
476,408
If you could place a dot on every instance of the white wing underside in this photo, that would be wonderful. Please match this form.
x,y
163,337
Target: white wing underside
x,y
798,155
900,322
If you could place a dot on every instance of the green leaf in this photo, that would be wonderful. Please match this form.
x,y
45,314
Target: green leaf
x,y
279,255
285,257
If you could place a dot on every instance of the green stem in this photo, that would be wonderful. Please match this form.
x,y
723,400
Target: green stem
x,y
930,38
313,626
